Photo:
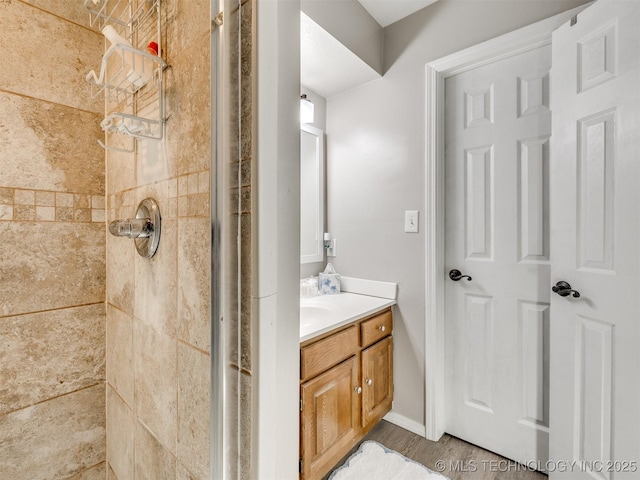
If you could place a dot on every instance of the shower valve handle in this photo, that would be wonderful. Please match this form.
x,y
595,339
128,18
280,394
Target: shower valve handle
x,y
132,228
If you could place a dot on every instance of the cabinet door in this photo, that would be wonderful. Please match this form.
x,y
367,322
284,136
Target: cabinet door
x,y
330,418
377,381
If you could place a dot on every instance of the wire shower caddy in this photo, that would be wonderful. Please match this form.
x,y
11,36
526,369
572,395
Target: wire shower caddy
x,y
130,77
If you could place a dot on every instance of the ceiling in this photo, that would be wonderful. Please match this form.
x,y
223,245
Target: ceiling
x,y
326,66
387,12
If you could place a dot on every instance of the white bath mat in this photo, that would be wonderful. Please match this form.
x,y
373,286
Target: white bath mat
x,y
373,461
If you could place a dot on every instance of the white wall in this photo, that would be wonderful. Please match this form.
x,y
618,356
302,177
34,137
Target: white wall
x,y
350,24
319,121
278,249
375,171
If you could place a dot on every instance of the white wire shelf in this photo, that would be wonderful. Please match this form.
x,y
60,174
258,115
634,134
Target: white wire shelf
x,y
129,78
123,71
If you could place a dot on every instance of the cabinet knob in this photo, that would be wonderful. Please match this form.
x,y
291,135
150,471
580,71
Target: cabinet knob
x,y
358,390
382,328
368,381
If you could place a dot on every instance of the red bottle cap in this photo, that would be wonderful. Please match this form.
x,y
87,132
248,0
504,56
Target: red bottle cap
x,y
152,48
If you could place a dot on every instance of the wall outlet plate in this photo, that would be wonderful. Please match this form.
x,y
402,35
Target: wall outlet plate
x,y
332,250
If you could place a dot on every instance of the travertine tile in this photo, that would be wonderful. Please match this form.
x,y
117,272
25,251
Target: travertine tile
x,y
232,416
121,273
6,212
120,435
6,196
110,474
24,212
245,425
79,214
152,460
45,199
81,201
72,10
156,278
28,32
190,22
98,215
25,197
54,439
44,272
64,214
246,292
47,146
64,199
45,355
189,127
153,164
194,385
194,282
183,474
157,282
156,383
45,214
120,358
96,473
97,202
121,171
203,182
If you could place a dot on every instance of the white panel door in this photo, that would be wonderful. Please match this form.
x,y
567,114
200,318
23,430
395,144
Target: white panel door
x,y
498,125
595,240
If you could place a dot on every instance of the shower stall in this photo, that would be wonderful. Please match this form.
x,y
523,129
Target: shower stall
x,y
114,365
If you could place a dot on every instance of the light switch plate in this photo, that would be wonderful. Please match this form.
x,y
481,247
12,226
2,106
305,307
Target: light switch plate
x,y
411,221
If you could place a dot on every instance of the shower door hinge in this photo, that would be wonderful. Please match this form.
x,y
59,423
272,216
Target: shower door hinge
x,y
218,20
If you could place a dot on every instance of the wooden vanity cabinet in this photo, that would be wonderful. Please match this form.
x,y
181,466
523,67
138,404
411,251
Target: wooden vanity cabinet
x,y
377,382
346,388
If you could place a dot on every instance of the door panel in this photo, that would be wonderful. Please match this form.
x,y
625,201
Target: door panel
x,y
497,130
533,199
479,208
594,180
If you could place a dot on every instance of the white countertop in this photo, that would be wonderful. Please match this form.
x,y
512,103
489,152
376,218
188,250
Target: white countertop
x,y
324,313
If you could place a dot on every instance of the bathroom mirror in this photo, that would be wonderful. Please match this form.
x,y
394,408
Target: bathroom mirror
x,y
311,194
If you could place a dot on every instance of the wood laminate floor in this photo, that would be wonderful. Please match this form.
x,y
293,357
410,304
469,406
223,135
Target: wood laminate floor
x,y
460,459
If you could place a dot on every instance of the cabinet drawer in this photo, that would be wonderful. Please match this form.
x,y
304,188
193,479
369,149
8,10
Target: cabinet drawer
x,y
376,328
325,353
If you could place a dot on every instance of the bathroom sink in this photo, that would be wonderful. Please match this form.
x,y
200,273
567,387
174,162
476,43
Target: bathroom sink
x,y
313,314
323,313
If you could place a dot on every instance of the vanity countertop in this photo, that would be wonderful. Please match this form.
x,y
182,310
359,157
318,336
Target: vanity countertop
x,y
324,313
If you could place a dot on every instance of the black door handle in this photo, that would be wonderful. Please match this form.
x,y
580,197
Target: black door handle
x,y
563,289
456,275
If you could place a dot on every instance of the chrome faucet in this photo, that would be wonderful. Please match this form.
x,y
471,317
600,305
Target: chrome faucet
x,y
131,228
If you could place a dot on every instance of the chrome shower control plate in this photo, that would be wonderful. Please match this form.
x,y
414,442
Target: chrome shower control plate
x,y
144,229
148,245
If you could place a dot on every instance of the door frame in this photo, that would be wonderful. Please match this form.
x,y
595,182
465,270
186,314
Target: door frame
x,y
519,41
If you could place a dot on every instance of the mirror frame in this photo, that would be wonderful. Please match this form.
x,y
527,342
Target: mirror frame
x,y
319,255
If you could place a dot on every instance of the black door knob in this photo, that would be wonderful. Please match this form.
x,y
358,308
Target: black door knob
x,y
563,289
456,275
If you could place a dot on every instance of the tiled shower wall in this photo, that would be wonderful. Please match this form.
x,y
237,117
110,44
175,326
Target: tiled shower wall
x,y
158,309
52,247
239,251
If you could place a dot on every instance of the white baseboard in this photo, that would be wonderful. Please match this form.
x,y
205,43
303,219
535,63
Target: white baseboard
x,y
406,423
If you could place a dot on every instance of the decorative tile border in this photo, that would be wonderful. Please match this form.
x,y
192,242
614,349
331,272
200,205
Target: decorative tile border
x,y
180,197
17,204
